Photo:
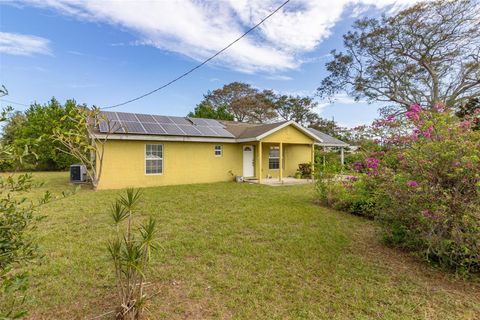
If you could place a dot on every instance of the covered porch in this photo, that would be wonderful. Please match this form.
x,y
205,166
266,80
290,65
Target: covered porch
x,y
277,162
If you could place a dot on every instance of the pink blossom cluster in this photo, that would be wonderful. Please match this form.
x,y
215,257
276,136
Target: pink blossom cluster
x,y
412,183
414,113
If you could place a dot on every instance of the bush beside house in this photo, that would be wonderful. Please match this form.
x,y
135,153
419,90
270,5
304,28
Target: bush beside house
x,y
423,187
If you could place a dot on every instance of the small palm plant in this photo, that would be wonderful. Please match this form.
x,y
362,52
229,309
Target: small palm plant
x,y
130,251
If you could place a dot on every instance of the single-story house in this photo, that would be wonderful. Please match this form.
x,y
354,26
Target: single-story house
x,y
153,150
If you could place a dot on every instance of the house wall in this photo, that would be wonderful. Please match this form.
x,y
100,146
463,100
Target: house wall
x,y
297,148
289,134
293,155
183,163
195,162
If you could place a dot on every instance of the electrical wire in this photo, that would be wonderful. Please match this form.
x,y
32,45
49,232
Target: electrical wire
x,y
14,102
199,65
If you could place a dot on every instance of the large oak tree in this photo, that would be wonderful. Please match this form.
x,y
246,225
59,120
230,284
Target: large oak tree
x,y
426,54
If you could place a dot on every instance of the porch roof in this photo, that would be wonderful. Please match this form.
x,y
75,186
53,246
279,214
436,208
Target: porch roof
x,y
326,140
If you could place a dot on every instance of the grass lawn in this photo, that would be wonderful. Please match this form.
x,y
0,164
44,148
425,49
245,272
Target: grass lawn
x,y
238,251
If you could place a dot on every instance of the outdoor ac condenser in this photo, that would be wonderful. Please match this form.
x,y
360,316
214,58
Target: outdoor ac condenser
x,y
78,173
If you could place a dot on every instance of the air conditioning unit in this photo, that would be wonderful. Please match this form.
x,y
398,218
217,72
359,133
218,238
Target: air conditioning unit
x,y
78,173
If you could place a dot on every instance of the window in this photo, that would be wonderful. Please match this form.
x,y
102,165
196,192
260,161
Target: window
x,y
274,158
153,159
218,150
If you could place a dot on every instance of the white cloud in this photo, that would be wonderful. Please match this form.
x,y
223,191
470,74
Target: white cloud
x,y
198,29
23,44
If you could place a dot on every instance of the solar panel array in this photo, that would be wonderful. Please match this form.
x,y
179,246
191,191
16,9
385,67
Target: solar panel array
x,y
136,123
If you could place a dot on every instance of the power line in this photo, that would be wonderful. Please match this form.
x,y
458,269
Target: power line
x,y
201,64
14,102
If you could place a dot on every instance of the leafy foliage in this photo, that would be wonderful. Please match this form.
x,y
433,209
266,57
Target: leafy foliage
x,y
206,111
18,215
424,187
240,102
33,129
130,253
425,54
80,140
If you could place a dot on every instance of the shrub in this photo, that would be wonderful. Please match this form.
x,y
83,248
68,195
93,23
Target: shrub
x,y
305,170
430,202
130,253
423,187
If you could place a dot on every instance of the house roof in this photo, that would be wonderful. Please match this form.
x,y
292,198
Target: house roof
x,y
326,140
243,130
133,125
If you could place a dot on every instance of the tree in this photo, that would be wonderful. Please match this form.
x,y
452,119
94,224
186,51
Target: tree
x,y
203,110
244,103
296,108
426,54
470,111
18,217
34,128
81,140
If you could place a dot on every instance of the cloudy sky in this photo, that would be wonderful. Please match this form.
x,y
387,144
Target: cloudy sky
x,y
105,52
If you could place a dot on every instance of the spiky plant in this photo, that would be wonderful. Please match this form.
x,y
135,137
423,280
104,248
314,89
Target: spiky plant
x,y
130,251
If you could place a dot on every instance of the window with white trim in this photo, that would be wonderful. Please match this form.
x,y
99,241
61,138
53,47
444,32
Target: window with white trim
x,y
153,158
274,158
218,150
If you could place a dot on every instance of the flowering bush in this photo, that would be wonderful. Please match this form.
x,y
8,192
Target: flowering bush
x,y
425,187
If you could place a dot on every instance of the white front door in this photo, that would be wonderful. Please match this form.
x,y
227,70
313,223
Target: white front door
x,y
248,170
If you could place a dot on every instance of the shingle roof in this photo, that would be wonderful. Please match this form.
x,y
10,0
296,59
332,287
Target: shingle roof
x,y
327,140
149,124
243,130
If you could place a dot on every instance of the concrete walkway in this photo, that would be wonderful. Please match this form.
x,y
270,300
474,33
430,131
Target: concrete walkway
x,y
274,182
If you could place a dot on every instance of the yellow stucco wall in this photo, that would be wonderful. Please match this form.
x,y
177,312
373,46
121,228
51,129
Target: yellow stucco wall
x,y
195,162
184,163
293,155
289,134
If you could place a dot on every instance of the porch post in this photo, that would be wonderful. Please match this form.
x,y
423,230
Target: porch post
x,y
342,157
280,172
260,160
313,160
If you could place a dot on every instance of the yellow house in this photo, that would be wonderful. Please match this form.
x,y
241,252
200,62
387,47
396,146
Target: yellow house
x,y
152,150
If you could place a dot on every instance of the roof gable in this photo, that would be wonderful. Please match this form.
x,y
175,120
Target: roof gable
x,y
326,140
289,133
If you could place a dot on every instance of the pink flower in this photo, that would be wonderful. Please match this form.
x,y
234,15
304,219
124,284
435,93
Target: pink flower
x,y
372,163
413,112
412,183
439,107
426,134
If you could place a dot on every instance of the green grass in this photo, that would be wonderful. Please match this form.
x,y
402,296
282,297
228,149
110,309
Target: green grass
x,y
238,251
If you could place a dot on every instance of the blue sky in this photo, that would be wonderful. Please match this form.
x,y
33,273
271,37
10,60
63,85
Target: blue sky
x,y
103,53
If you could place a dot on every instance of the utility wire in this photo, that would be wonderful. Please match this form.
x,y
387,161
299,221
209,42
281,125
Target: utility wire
x,y
13,102
201,64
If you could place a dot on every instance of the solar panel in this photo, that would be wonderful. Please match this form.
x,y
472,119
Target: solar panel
x,y
206,131
172,129
190,130
145,118
124,122
110,115
213,123
162,119
124,116
222,132
115,127
153,128
133,127
180,120
198,122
